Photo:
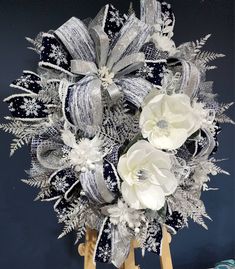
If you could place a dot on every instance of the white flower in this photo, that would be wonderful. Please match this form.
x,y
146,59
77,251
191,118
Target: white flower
x,y
105,76
164,43
168,120
121,213
85,154
147,176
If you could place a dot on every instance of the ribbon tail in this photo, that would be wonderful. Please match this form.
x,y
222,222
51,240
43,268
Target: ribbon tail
x,y
191,79
83,104
150,11
114,92
121,241
95,186
113,244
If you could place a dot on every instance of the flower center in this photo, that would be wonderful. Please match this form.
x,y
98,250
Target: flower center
x,y
105,76
162,124
141,175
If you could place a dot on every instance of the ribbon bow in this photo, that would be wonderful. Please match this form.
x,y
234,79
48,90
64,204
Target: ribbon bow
x,y
104,65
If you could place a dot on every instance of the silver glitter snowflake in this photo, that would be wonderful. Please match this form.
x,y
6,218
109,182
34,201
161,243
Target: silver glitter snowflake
x,y
30,106
58,54
10,107
104,252
116,18
60,184
146,71
110,183
24,81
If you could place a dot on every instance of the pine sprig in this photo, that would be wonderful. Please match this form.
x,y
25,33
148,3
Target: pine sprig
x,y
23,132
189,205
14,127
204,57
199,44
36,43
221,109
75,219
17,143
37,182
43,194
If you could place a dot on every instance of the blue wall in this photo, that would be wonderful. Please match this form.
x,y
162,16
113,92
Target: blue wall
x,y
28,230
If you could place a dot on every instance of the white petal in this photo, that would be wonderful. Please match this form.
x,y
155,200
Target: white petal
x,y
122,167
69,138
156,99
147,127
130,197
135,159
166,180
150,196
175,140
146,114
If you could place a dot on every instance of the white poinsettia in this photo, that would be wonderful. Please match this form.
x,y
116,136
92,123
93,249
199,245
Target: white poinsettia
x,y
121,213
168,120
84,154
164,43
147,176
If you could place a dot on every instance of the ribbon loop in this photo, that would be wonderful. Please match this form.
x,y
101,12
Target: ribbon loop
x,y
75,37
101,41
129,64
81,67
130,40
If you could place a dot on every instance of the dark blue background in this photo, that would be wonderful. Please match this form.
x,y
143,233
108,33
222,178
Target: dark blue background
x,y
29,230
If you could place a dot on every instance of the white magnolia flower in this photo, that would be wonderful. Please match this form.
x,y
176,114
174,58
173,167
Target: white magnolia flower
x,y
147,176
84,154
121,213
164,43
168,120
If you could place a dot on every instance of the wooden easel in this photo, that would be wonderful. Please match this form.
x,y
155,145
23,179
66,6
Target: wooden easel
x,y
87,249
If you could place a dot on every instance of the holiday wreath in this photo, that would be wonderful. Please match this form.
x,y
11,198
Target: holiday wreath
x,y
122,126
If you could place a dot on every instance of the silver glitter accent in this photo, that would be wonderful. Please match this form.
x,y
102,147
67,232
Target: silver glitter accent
x,y
162,124
142,175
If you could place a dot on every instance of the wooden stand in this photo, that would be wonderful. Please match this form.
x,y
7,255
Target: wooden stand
x,y
87,249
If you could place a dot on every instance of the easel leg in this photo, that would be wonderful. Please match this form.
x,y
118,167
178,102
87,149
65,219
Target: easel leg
x,y
130,261
165,259
87,249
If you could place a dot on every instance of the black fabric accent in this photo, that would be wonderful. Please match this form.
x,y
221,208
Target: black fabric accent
x,y
28,81
154,239
114,22
167,11
26,107
110,177
104,245
67,106
174,221
61,182
152,53
157,72
55,54
61,208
